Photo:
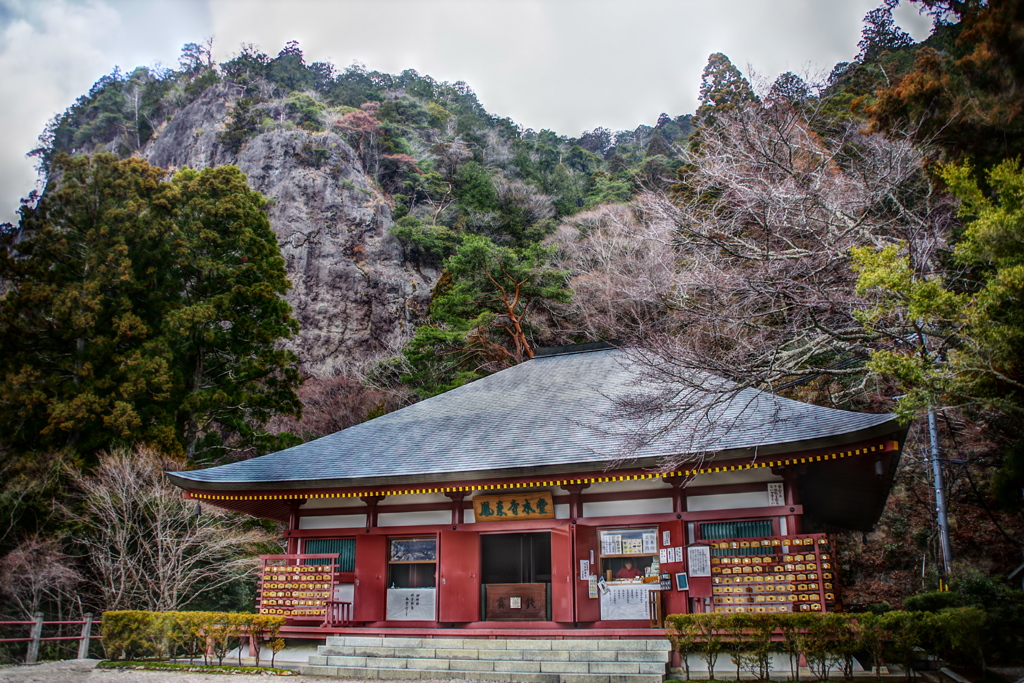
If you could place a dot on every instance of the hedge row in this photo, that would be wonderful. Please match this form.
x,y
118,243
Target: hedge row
x,y
827,641
136,634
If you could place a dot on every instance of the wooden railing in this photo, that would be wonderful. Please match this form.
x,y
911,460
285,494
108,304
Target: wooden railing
x,y
339,613
36,635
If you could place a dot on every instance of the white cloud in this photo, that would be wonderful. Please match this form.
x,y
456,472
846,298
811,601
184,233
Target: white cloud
x,y
40,78
52,52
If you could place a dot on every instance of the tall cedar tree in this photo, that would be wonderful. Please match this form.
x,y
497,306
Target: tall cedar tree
x,y
143,310
722,88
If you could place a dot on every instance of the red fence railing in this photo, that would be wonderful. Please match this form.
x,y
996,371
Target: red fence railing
x,y
36,635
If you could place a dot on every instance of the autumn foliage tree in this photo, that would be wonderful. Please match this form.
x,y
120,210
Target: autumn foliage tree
x,y
967,95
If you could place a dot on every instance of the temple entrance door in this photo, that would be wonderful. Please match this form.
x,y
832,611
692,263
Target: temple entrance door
x,y
561,574
588,609
371,567
459,589
516,573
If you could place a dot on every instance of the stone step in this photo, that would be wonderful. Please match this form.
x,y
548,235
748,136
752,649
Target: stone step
x,y
526,660
597,655
507,666
499,643
377,672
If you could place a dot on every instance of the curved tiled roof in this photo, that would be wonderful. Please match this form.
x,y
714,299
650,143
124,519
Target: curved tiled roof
x,y
550,414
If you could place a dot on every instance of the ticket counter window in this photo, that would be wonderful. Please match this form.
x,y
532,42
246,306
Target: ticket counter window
x,y
629,554
629,567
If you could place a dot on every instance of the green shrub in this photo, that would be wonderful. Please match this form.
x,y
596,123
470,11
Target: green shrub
x,y
683,634
133,634
905,632
932,601
958,634
136,634
427,244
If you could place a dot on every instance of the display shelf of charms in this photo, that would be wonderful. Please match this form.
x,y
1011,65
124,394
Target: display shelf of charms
x,y
290,588
791,574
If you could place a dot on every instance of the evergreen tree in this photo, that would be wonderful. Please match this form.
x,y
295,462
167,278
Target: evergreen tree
x,y
142,310
722,87
965,90
881,34
482,314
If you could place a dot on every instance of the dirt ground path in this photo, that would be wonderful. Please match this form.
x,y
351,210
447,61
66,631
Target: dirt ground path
x,y
73,671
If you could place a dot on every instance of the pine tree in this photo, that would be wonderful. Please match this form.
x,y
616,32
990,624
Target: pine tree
x,y
481,315
881,34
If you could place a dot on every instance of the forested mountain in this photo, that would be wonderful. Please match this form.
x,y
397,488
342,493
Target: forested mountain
x,y
344,156
843,242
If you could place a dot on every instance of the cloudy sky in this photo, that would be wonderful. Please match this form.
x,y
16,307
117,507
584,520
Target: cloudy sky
x,y
566,65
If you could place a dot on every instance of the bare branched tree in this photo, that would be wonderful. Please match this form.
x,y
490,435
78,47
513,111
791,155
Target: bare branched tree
x,y
146,547
765,220
36,572
764,295
621,271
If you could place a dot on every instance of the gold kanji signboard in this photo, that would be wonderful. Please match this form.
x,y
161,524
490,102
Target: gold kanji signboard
x,y
505,507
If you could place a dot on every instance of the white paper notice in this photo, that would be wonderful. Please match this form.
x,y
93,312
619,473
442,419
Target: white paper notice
x,y
411,604
698,559
666,537
584,570
663,555
611,544
776,495
650,543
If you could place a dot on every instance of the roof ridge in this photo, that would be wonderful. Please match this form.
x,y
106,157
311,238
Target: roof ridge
x,y
586,347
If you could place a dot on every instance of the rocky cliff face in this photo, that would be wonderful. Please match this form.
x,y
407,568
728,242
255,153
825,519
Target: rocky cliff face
x,y
353,294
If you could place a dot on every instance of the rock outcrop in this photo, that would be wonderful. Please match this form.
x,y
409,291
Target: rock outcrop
x,y
353,294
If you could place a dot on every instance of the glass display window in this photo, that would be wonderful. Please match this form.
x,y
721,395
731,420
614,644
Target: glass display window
x,y
412,562
628,554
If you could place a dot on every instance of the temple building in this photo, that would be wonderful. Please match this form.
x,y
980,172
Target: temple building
x,y
510,504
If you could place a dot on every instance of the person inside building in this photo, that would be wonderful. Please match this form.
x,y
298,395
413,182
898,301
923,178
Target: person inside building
x,y
628,571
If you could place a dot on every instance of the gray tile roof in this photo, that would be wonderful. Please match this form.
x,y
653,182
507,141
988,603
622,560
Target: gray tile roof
x,y
551,414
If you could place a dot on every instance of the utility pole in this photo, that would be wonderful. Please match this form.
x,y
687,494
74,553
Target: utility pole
x,y
940,494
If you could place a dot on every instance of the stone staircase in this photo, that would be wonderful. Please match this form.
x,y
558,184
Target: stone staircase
x,y
529,660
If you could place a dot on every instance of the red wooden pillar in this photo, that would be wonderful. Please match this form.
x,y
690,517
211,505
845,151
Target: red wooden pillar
x,y
458,514
791,490
678,492
673,601
575,492
293,526
371,509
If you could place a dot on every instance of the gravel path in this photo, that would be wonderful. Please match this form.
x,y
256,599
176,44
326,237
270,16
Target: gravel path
x,y
73,671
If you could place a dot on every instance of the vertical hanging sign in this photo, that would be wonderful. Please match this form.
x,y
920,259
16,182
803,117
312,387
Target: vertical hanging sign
x,y
698,560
